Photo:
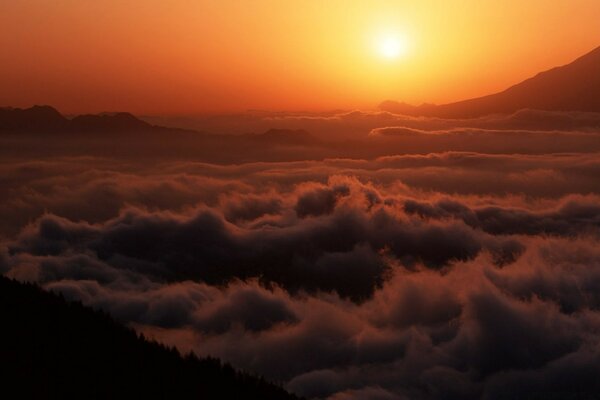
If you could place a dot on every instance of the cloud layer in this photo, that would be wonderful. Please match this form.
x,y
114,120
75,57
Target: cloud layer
x,y
454,275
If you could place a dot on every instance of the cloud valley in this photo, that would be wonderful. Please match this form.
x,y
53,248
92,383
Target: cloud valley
x,y
464,266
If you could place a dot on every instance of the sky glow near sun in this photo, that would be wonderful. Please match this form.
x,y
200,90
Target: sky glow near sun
x,y
391,46
208,56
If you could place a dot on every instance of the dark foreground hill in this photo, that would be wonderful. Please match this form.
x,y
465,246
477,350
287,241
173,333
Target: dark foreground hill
x,y
572,87
53,349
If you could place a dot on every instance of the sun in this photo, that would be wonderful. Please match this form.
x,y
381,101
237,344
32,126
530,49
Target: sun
x,y
391,46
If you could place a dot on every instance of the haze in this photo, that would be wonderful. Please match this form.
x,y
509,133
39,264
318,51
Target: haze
x,y
181,57
351,200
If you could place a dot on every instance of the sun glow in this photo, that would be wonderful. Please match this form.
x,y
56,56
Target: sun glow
x,y
391,46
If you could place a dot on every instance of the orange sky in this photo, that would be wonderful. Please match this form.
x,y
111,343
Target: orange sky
x,y
178,56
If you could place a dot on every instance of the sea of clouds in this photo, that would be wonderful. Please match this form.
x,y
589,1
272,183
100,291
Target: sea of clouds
x,y
441,275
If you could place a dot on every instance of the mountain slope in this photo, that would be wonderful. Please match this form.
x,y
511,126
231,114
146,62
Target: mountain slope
x,y
54,349
35,119
105,122
572,87
40,119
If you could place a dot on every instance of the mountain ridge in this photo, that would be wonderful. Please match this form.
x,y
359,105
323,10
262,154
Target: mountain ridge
x,y
55,349
571,87
47,119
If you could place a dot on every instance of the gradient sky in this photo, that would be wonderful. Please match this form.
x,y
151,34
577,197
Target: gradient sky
x,y
178,57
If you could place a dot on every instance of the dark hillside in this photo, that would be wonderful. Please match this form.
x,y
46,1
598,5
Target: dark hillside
x,y
53,349
571,87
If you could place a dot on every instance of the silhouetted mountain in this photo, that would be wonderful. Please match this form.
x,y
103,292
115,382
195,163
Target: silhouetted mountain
x,y
572,87
400,107
109,122
34,119
53,349
48,119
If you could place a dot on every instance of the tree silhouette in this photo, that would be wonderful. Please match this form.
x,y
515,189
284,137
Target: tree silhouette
x,y
54,349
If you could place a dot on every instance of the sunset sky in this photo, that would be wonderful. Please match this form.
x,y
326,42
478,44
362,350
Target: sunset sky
x,y
250,196
178,57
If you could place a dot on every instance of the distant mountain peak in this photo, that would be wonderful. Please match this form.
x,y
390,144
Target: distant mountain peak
x,y
36,118
571,87
43,118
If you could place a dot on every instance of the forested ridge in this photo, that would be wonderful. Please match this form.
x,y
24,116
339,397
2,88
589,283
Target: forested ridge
x,y
52,348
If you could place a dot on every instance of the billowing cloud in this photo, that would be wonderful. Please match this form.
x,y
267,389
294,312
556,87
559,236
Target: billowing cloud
x,y
354,124
465,333
397,275
335,237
